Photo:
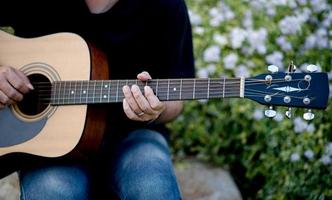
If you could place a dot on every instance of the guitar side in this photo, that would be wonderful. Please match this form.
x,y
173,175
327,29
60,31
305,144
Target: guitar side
x,y
62,56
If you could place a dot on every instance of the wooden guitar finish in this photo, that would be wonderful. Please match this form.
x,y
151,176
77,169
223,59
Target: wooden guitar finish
x,y
59,57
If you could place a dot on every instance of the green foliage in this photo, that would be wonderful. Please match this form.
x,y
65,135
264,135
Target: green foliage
x,y
276,158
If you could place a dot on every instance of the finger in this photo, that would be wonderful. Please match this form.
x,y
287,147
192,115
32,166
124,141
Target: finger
x,y
9,91
141,100
17,81
25,79
130,99
4,99
153,100
144,76
129,112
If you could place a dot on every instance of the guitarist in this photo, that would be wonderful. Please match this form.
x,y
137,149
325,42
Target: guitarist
x,y
143,39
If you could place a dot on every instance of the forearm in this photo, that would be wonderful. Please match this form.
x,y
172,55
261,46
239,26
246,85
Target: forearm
x,y
172,110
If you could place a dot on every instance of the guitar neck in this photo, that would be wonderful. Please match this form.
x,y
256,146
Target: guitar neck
x,y
110,91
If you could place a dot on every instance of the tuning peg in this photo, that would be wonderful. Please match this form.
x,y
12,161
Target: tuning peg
x,y
270,112
308,115
291,67
312,68
289,113
273,68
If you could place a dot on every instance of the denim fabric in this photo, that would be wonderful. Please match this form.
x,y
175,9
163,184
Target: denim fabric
x,y
140,169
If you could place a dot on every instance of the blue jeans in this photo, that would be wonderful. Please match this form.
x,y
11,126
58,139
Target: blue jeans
x,y
141,168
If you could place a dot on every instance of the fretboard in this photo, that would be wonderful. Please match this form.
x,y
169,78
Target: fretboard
x,y
110,91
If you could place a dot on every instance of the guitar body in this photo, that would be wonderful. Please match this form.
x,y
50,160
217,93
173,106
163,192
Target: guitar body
x,y
52,131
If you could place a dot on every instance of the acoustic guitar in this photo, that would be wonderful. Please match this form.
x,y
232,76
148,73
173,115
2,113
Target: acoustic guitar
x,y
70,77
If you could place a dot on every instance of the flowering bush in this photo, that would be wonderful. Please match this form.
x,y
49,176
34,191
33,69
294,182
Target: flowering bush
x,y
277,158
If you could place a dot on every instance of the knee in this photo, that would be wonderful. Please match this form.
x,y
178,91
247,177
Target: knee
x,y
54,183
144,169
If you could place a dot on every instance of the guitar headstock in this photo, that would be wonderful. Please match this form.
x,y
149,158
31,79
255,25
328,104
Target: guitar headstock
x,y
304,90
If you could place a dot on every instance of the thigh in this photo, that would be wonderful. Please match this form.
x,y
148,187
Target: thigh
x,y
142,168
55,182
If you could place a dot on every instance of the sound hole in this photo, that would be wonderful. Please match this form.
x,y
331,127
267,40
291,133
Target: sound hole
x,y
37,100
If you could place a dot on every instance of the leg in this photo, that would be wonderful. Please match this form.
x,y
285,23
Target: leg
x,y
54,183
143,168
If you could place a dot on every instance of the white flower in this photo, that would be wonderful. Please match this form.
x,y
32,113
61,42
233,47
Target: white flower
x,y
203,73
310,42
212,54
247,19
302,2
230,60
195,19
258,114
211,68
290,25
329,149
299,125
309,154
325,159
295,157
216,17
220,39
271,11
311,128
242,71
199,30
284,44
276,58
237,36
318,5
279,117
257,40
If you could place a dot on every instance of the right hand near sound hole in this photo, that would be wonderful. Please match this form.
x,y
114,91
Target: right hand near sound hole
x,y
13,84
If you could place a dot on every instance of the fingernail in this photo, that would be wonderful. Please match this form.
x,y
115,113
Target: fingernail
x,y
30,86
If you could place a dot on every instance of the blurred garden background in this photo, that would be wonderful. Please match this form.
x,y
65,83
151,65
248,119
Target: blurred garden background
x,y
277,158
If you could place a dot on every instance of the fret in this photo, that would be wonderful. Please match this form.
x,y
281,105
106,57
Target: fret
x,y
194,90
64,92
201,91
52,97
80,91
180,95
187,89
117,91
87,92
167,89
109,91
157,87
208,89
174,89
101,96
223,88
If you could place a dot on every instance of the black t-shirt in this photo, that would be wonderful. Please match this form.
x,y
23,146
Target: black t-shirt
x,y
136,35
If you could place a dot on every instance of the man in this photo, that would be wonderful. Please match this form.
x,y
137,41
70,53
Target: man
x,y
141,38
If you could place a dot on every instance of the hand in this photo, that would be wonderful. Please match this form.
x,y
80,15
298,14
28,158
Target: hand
x,y
142,107
13,84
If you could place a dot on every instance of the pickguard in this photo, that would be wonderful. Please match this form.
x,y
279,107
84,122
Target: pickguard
x,y
14,131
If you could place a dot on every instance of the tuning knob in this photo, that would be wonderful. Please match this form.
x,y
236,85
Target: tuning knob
x,y
273,68
312,68
270,112
289,113
309,115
